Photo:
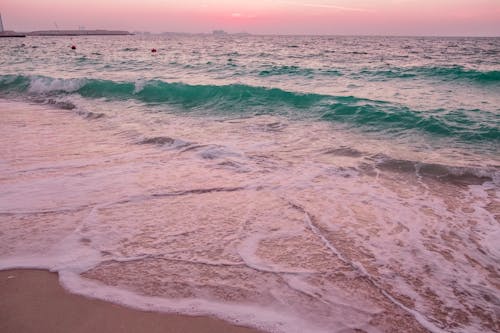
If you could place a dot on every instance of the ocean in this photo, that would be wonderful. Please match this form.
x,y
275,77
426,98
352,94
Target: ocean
x,y
288,183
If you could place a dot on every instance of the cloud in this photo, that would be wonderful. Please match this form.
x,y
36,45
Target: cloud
x,y
243,16
329,6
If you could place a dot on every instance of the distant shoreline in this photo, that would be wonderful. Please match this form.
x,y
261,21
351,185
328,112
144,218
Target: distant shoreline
x,y
66,33
101,32
7,34
78,33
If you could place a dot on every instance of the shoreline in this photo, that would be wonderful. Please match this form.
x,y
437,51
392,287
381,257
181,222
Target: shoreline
x,y
34,301
79,33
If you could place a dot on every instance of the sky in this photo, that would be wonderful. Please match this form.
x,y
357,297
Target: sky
x,y
336,17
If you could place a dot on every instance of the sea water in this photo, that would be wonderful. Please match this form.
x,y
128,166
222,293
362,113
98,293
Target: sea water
x,y
290,183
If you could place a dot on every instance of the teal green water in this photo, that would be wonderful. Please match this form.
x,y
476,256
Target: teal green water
x,y
397,87
465,125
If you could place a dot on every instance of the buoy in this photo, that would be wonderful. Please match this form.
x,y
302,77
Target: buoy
x,y
153,50
73,47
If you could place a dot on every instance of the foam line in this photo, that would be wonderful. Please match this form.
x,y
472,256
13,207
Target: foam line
x,y
362,271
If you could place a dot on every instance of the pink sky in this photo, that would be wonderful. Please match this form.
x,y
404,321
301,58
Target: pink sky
x,y
392,17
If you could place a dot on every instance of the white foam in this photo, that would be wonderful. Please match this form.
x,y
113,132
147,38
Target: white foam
x,y
139,85
40,84
380,228
248,253
264,318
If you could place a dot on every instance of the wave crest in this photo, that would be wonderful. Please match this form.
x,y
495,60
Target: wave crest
x,y
451,73
464,125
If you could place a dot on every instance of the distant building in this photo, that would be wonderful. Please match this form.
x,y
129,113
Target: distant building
x,y
1,23
219,32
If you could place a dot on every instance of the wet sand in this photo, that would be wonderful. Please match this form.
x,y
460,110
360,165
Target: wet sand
x,y
33,301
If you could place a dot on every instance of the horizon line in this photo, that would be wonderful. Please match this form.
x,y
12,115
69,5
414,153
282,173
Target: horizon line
x,y
143,32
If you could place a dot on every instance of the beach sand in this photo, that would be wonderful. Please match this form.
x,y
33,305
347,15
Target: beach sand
x,y
33,301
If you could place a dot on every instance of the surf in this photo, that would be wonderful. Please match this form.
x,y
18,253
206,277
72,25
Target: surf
x,y
242,99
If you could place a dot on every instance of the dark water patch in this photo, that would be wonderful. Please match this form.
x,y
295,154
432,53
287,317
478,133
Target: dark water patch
x,y
193,147
213,152
157,140
451,73
38,100
208,151
389,73
165,141
395,165
456,175
198,191
492,52
275,127
357,52
271,127
297,71
62,105
286,70
330,72
91,115
344,152
231,165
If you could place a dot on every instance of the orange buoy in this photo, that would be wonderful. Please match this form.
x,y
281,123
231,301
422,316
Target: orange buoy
x,y
73,47
153,50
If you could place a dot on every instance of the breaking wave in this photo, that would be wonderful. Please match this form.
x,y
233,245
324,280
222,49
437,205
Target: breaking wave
x,y
464,125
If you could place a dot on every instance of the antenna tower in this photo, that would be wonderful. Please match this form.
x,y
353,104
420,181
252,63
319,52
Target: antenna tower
x,y
1,24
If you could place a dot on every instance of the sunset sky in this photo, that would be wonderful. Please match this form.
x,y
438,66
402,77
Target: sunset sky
x,y
386,17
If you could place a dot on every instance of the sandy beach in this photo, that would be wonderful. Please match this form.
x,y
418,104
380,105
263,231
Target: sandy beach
x,y
33,301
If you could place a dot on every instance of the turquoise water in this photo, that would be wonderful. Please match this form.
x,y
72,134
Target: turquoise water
x,y
440,87
290,183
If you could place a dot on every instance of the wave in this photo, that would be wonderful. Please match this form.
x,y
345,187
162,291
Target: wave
x,y
460,123
458,175
286,70
450,73
298,71
459,72
239,98
234,97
